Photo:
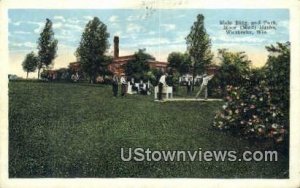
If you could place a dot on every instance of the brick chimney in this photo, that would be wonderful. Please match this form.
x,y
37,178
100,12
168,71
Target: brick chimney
x,y
116,47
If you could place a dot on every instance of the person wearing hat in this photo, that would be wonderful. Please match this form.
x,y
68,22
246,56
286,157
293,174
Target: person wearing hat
x,y
203,87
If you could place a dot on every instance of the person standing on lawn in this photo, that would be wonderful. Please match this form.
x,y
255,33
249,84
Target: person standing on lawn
x,y
133,87
203,87
115,85
123,85
189,86
162,83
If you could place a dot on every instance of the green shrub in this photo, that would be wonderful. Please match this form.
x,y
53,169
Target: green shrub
x,y
277,74
234,68
258,108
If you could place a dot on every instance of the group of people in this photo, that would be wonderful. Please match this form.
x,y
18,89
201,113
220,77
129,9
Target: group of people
x,y
129,86
115,85
144,88
203,88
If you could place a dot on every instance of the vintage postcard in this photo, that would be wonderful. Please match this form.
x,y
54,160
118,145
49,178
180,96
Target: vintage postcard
x,y
149,93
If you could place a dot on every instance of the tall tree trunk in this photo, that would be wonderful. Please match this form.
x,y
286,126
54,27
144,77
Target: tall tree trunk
x,y
27,75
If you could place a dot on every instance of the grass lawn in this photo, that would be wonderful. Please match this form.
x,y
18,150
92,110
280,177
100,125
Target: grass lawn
x,y
77,130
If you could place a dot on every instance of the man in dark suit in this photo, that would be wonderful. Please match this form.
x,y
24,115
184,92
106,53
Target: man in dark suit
x,y
189,86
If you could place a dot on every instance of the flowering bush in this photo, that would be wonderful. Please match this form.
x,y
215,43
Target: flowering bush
x,y
248,111
258,106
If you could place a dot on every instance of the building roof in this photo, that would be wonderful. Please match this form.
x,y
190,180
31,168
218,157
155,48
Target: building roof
x,y
123,58
158,63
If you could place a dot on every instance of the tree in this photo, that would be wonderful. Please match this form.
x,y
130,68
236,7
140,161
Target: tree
x,y
181,62
239,59
47,47
30,63
234,68
103,68
138,67
277,71
91,51
199,46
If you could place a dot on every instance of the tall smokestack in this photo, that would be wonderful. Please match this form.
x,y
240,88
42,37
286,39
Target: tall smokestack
x,y
116,46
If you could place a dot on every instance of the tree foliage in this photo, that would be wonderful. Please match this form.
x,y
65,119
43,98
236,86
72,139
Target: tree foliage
x,y
153,75
47,47
138,67
30,63
277,70
234,70
103,68
91,51
239,59
181,62
199,46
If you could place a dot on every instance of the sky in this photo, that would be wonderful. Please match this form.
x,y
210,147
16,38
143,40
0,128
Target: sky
x,y
159,31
